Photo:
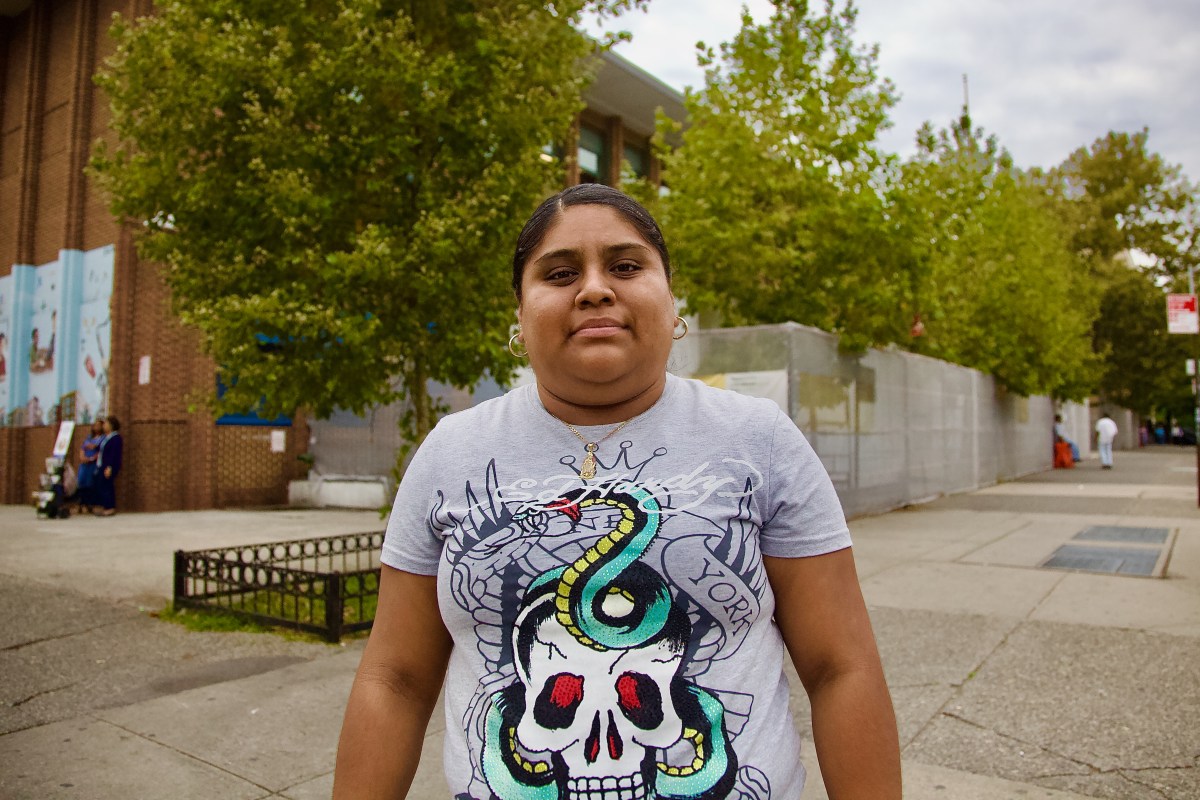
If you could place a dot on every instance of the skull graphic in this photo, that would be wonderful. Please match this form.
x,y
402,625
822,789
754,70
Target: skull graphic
x,y
599,709
619,724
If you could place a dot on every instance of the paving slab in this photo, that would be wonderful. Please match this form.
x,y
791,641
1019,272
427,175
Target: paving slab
x,y
319,788
33,612
1059,490
960,588
1078,707
1073,505
276,730
1026,546
97,654
928,782
1163,605
90,758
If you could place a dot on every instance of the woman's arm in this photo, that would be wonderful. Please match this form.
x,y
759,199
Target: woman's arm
x,y
394,692
823,619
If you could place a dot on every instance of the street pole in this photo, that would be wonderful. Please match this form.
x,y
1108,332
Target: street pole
x,y
1195,392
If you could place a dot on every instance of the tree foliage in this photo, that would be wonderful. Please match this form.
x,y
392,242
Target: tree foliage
x,y
1125,198
782,207
332,187
991,270
1134,219
772,211
1143,364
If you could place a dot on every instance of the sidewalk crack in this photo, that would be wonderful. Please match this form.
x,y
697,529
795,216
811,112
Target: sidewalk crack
x,y
24,700
186,754
990,542
960,687
1123,772
20,645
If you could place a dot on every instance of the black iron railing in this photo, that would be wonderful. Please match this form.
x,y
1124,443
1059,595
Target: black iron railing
x,y
328,586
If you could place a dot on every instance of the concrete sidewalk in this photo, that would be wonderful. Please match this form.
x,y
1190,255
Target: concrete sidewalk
x,y
1010,680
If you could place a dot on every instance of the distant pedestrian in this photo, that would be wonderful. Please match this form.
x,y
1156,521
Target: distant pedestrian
x,y
89,453
108,464
1106,431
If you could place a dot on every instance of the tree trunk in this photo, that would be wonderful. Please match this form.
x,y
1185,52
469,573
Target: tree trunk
x,y
420,419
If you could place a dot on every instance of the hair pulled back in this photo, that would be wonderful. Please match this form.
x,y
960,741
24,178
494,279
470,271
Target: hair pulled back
x,y
585,194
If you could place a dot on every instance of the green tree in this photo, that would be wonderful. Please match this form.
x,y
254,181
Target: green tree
x,y
1134,218
990,266
773,212
1143,364
332,187
1128,198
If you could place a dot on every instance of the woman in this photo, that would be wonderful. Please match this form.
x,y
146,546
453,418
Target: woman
x,y
612,562
89,452
108,465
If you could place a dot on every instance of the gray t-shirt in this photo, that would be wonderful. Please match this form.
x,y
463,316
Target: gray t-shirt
x,y
613,637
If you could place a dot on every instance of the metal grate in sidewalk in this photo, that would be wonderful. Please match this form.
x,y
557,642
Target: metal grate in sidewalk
x,y
1107,560
1117,533
1115,550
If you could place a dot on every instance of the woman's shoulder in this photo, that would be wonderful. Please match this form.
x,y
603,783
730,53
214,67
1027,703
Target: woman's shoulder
x,y
483,416
712,403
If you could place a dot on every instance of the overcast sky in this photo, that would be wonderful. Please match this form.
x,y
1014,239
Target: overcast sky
x,y
1045,76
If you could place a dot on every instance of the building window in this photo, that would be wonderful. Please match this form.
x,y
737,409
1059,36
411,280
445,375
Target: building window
x,y
593,155
638,160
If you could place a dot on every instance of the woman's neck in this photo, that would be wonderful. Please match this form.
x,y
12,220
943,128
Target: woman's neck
x,y
577,412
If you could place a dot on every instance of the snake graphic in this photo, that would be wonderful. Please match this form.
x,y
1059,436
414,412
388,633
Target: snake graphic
x,y
574,595
609,566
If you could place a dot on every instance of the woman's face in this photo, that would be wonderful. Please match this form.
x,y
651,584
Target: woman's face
x,y
596,308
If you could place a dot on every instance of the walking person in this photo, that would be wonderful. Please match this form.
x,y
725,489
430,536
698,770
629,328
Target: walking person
x,y
1106,431
609,566
108,465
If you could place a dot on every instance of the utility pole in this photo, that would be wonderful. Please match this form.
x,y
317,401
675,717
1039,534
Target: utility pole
x,y
1195,391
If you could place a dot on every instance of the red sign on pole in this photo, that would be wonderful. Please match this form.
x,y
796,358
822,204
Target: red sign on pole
x,y
1182,316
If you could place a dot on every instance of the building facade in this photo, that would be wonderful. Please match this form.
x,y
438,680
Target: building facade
x,y
86,328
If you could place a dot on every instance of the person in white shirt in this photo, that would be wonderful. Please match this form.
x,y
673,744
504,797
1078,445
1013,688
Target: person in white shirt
x,y
1106,431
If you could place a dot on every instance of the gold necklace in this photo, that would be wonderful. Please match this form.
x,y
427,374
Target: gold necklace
x,y
588,470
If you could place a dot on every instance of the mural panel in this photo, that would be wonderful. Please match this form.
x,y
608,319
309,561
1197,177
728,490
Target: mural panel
x,y
55,338
95,336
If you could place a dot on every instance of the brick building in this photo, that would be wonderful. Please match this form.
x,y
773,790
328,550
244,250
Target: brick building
x,y
114,346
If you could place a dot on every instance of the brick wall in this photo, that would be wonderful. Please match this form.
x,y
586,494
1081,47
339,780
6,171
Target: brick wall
x,y
12,461
51,114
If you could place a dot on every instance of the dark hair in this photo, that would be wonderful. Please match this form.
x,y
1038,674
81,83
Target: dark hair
x,y
114,422
585,194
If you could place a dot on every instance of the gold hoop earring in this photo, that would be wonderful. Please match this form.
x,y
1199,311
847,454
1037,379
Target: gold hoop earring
x,y
685,328
516,337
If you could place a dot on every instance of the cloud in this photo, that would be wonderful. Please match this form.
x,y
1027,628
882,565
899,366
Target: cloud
x,y
1045,77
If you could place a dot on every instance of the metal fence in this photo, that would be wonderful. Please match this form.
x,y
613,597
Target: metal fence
x,y
891,427
328,586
